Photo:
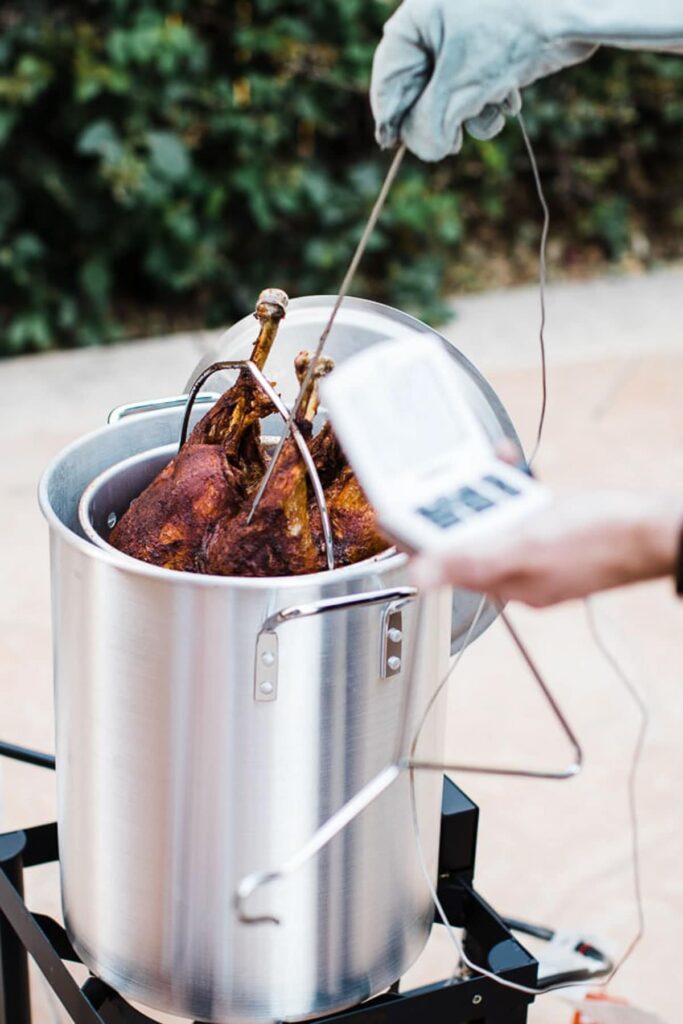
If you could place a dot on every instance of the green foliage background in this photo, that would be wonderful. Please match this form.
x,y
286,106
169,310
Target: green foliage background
x,y
162,161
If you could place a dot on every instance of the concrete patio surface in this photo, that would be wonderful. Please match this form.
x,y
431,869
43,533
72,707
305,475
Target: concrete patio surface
x,y
557,854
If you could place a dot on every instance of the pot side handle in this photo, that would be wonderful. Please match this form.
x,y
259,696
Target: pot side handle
x,y
386,777
158,405
391,646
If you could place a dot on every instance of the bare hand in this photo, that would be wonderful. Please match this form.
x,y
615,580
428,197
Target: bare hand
x,y
568,549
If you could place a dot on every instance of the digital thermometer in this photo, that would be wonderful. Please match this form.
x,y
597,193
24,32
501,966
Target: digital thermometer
x,y
403,417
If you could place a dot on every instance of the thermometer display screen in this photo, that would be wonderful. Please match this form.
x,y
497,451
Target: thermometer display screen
x,y
417,440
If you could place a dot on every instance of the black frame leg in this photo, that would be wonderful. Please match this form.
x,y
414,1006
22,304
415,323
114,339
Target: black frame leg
x,y
15,999
40,937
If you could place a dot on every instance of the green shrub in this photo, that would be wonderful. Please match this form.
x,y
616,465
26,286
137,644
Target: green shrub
x,y
163,161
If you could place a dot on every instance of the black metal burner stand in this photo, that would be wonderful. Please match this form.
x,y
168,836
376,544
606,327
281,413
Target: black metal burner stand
x,y
470,1000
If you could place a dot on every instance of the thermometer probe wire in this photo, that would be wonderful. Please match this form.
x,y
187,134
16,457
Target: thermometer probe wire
x,y
601,977
609,971
375,213
542,279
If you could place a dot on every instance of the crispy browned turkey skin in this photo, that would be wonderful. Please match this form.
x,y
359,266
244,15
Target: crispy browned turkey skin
x,y
279,540
354,523
221,462
194,515
285,537
166,524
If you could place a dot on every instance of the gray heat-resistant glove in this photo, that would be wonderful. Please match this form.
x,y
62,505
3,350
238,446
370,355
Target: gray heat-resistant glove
x,y
445,63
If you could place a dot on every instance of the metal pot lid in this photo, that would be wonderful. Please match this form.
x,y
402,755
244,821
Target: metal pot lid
x,y
360,322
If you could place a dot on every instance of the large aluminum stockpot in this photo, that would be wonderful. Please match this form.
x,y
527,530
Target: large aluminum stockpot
x,y
179,773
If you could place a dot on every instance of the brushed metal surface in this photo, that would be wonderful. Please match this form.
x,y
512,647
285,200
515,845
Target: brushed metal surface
x,y
174,783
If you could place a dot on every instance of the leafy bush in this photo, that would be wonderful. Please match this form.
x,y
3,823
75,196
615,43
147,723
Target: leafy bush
x,y
162,161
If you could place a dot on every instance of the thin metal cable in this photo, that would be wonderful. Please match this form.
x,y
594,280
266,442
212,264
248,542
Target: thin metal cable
x,y
345,285
617,668
600,979
644,717
542,278
439,689
246,365
556,775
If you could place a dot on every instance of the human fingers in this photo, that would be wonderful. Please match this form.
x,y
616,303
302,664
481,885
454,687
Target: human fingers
x,y
471,572
457,94
513,563
502,579
507,451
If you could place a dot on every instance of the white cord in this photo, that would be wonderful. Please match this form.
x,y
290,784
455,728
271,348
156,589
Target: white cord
x,y
644,724
542,278
439,689
633,776
604,649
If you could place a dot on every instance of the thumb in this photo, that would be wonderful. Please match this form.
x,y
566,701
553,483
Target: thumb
x,y
452,568
428,572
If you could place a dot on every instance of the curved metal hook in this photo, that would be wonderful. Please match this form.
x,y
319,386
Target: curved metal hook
x,y
388,775
561,775
304,451
324,835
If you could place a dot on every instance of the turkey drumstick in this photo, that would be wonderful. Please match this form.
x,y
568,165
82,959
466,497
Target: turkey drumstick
x,y
279,540
233,422
212,473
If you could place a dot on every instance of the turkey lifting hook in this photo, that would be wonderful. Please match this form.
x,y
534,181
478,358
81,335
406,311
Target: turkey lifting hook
x,y
343,291
265,385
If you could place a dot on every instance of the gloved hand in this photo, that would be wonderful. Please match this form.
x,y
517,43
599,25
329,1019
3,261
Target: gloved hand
x,y
445,63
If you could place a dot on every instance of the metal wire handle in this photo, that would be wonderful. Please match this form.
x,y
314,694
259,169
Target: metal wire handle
x,y
304,451
386,777
343,290
318,841
559,775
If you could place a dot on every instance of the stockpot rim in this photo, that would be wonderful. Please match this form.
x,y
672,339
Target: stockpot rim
x,y
328,577
93,537
127,563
